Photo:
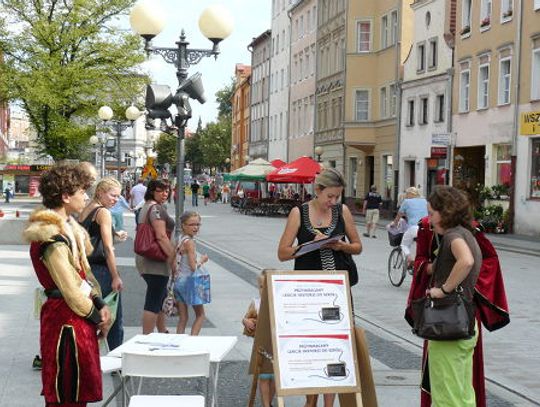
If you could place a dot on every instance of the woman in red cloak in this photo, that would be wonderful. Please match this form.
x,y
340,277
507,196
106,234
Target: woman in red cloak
x,y
490,299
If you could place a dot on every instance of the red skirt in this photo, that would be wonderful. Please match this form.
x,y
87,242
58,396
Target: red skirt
x,y
71,370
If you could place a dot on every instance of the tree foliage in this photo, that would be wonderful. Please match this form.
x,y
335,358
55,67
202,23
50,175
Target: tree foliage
x,y
63,59
165,147
224,100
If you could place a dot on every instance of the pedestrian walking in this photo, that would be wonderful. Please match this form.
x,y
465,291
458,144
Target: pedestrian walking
x,y
136,199
156,273
456,266
206,192
225,192
74,315
194,192
8,191
324,216
186,265
267,386
372,205
97,220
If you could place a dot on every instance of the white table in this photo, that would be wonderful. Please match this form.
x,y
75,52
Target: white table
x,y
217,346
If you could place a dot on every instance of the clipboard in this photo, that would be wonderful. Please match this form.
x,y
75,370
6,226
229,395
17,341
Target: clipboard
x,y
316,245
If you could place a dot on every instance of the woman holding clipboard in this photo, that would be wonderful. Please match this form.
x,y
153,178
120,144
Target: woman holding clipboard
x,y
322,218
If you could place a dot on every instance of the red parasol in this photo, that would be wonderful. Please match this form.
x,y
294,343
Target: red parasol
x,y
303,170
278,163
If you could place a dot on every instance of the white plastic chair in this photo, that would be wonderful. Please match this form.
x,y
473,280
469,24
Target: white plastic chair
x,y
109,365
166,364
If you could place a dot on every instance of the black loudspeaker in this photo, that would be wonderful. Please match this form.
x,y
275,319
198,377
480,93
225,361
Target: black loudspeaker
x,y
193,86
158,100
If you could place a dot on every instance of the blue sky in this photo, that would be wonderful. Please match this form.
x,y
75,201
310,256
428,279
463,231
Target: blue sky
x,y
251,18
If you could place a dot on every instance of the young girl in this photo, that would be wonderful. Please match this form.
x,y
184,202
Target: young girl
x,y
267,387
187,263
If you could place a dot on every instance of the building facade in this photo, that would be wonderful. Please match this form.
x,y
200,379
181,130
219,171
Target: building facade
x,y
303,17
240,117
379,35
330,81
260,49
526,203
279,81
426,93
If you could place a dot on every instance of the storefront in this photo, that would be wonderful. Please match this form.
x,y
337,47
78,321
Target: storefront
x,y
24,179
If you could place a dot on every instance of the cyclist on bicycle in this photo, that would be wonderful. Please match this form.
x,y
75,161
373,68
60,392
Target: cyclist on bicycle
x,y
414,208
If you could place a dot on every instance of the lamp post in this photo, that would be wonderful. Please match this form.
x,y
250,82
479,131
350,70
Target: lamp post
x,y
105,113
216,24
228,164
99,144
318,152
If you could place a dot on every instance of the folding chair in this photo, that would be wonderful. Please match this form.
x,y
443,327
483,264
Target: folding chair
x,y
166,365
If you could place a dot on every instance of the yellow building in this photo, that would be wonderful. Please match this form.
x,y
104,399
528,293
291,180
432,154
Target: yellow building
x,y
378,40
240,117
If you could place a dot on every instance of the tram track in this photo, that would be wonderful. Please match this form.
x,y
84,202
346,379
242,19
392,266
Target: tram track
x,y
248,270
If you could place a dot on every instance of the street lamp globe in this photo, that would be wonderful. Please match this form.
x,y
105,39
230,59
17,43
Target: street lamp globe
x,y
147,19
132,113
216,23
227,160
105,113
94,140
246,158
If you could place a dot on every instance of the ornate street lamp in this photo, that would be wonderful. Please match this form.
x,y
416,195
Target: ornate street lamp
x,y
106,114
148,20
318,152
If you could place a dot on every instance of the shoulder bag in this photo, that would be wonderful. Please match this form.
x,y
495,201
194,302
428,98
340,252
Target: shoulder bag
x,y
98,254
146,244
198,287
348,260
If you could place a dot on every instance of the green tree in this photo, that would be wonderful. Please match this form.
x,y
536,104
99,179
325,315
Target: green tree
x,y
63,59
165,147
224,100
215,143
194,154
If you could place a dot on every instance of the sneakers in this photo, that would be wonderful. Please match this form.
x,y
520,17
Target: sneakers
x,y
36,363
365,234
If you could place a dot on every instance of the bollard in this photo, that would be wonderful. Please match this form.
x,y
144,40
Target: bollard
x,y
1,213
17,214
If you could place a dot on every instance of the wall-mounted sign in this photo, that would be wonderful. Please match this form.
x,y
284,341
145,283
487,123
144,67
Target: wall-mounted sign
x,y
441,139
529,123
439,152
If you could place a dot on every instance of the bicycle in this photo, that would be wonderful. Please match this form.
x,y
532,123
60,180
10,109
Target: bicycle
x,y
397,263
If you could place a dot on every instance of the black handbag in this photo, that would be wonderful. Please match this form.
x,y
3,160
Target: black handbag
x,y
98,254
350,265
444,319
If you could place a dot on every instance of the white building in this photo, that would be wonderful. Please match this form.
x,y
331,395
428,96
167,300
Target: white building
x,y
279,81
425,124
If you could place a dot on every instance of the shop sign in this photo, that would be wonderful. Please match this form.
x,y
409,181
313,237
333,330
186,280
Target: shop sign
x,y
438,152
16,167
441,139
529,123
40,167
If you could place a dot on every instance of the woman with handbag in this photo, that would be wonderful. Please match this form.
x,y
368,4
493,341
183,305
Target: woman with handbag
x,y
454,271
154,267
97,220
324,216
190,289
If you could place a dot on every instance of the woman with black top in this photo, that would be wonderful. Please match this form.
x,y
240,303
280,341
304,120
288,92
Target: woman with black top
x,y
97,220
322,217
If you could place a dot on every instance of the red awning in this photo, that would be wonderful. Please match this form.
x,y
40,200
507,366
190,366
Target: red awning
x,y
278,163
303,170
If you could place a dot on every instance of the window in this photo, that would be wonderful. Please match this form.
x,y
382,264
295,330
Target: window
x,y
362,105
432,57
393,100
485,13
421,57
353,175
384,32
394,28
464,82
506,10
466,17
483,86
504,81
503,164
439,108
535,75
535,167
410,112
363,36
383,101
423,117
537,4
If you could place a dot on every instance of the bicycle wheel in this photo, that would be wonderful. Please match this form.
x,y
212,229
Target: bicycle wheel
x,y
396,267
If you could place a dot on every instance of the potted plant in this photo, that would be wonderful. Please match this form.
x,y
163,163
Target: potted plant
x,y
507,13
500,191
485,22
465,30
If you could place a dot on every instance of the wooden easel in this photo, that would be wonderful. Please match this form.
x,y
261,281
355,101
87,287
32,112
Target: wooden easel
x,y
264,357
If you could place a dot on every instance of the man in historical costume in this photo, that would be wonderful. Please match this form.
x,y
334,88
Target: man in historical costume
x,y
74,314
489,296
